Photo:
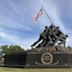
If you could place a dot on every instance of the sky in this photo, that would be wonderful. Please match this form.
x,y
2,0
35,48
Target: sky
x,y
17,25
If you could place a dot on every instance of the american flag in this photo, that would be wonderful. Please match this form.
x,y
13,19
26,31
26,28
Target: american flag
x,y
40,13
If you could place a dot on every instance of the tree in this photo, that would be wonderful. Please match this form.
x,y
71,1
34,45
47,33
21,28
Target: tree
x,y
11,49
16,48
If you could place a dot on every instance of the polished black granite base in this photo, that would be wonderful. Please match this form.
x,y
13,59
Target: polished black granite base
x,y
33,59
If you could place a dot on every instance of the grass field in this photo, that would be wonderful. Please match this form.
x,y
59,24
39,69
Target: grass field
x,y
3,69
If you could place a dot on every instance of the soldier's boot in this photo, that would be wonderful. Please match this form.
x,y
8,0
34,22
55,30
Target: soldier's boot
x,y
36,42
62,42
59,43
38,46
47,43
43,43
55,41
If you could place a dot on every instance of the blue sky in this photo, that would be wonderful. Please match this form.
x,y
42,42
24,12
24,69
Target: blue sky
x,y
17,26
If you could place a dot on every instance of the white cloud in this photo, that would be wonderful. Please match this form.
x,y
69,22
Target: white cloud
x,y
11,23
16,40
10,38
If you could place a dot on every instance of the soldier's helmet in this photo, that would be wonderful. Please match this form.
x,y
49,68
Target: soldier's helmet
x,y
46,27
57,27
52,26
66,35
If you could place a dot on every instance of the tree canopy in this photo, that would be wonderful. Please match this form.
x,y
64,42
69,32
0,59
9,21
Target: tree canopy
x,y
11,49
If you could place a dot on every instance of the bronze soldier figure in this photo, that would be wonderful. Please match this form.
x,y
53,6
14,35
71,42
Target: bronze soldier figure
x,y
50,35
42,37
59,36
47,34
62,39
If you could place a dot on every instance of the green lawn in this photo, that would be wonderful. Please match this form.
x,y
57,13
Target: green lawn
x,y
3,69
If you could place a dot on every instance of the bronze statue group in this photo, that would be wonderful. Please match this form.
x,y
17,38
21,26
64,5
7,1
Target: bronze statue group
x,y
51,35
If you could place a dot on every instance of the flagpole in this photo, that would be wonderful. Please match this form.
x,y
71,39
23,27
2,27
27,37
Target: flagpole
x,y
47,15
